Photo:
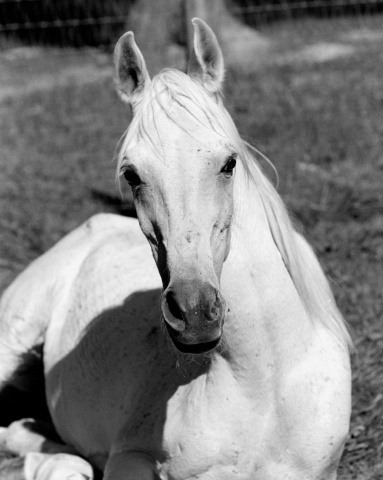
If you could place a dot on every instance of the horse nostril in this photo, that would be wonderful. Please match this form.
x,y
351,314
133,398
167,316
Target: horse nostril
x,y
216,310
214,313
173,306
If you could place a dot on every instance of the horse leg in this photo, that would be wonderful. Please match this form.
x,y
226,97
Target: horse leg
x,y
57,466
30,455
29,435
131,466
46,466
11,468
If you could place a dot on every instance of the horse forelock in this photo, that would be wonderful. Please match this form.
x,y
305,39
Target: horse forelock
x,y
174,86
168,89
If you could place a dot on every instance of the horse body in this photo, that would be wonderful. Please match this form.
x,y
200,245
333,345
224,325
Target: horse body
x,y
250,412
273,400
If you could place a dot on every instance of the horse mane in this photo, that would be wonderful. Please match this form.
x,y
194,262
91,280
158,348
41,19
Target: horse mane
x,y
298,257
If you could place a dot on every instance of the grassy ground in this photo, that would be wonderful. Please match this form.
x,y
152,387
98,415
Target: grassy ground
x,y
319,121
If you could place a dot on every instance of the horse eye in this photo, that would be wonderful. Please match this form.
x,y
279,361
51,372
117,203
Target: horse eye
x,y
131,177
230,165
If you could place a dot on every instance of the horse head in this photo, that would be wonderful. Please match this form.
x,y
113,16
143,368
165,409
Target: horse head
x,y
180,164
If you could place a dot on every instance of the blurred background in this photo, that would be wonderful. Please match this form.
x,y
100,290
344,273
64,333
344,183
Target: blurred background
x,y
304,84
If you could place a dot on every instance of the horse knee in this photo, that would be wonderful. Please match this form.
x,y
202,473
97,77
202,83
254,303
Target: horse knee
x,y
28,435
59,466
19,438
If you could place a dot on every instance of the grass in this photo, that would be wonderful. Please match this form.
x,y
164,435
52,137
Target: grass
x,y
321,125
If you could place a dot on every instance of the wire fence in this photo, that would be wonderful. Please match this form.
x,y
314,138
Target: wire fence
x,y
94,22
63,22
263,10
309,17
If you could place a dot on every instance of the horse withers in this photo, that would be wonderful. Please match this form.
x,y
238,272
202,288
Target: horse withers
x,y
225,356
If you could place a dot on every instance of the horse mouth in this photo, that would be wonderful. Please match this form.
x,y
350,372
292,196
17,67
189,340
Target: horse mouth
x,y
197,348
192,348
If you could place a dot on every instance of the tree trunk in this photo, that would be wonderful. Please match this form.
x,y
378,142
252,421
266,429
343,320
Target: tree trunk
x,y
242,46
163,31
159,30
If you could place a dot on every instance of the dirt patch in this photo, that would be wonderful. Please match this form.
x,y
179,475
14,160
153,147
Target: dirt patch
x,y
24,71
320,53
82,75
363,35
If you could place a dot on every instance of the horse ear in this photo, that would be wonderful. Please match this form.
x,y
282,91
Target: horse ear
x,y
132,76
206,60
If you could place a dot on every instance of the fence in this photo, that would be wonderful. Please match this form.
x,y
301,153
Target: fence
x,y
259,11
63,22
94,22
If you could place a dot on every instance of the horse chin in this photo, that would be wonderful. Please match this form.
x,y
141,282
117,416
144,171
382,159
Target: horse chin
x,y
192,348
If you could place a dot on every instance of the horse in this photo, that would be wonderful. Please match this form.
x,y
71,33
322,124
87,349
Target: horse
x,y
201,341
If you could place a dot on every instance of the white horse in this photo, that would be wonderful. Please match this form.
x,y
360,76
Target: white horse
x,y
261,388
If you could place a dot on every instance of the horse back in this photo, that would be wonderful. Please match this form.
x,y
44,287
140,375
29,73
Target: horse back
x,y
26,305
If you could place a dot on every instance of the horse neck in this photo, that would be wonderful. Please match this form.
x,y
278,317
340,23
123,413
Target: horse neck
x,y
267,325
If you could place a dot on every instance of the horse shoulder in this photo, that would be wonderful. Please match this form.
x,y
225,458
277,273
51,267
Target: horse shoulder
x,y
314,404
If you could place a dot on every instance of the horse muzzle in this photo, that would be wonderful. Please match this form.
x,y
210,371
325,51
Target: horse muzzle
x,y
194,316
